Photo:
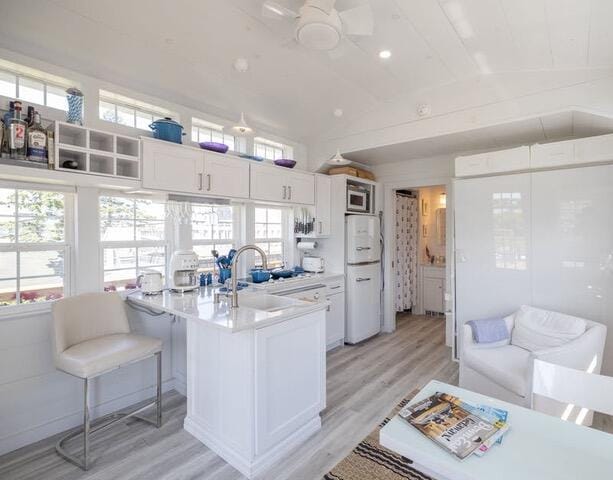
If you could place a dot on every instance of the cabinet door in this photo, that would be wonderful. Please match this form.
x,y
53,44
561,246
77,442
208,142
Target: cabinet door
x,y
594,149
172,167
225,176
290,377
301,187
268,183
433,294
509,160
322,205
335,319
552,154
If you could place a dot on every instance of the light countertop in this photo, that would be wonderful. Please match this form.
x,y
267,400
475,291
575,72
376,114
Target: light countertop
x,y
199,305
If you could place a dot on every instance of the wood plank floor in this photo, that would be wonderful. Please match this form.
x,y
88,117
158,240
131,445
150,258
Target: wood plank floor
x,y
364,384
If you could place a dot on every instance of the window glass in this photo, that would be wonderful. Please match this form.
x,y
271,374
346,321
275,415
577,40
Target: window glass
x,y
125,116
269,234
106,111
34,248
130,112
31,90
271,150
8,84
56,97
212,229
143,120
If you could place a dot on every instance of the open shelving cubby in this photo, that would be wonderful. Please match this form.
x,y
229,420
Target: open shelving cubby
x,y
97,152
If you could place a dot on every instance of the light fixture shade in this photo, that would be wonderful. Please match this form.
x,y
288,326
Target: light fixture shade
x,y
242,128
443,200
338,159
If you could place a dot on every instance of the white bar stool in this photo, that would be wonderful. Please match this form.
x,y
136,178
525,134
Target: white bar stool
x,y
92,337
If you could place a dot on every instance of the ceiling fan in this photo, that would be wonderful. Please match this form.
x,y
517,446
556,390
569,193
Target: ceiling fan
x,y
319,26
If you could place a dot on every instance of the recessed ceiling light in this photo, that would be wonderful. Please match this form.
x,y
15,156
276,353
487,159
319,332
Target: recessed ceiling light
x,y
338,112
241,65
385,54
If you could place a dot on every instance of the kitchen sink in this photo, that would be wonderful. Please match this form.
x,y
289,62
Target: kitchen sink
x,y
267,303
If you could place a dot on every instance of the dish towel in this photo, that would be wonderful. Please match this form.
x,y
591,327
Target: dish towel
x,y
489,330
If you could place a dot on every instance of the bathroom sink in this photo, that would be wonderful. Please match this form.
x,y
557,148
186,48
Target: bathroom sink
x,y
267,303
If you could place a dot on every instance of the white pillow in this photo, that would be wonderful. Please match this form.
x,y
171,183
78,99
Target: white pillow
x,y
536,329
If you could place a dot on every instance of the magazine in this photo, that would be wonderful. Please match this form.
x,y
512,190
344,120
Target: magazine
x,y
494,415
449,425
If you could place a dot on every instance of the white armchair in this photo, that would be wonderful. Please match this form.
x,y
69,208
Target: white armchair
x,y
503,370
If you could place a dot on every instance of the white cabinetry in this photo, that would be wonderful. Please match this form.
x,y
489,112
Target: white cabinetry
x,y
510,160
323,185
182,169
552,154
573,152
335,315
278,184
433,281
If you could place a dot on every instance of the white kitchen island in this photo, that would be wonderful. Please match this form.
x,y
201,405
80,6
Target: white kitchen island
x,y
256,375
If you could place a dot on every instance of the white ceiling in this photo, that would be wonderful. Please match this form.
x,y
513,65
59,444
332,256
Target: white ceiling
x,y
183,50
542,129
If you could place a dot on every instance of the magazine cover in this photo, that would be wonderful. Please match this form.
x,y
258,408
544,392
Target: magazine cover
x,y
449,425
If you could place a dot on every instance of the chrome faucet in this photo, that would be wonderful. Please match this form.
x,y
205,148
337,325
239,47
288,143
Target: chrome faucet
x,y
234,274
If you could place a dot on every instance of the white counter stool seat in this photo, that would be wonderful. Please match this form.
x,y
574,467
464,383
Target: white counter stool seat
x,y
92,337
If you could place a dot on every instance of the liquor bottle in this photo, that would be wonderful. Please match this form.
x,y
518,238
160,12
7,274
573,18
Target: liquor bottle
x,y
4,149
17,135
37,141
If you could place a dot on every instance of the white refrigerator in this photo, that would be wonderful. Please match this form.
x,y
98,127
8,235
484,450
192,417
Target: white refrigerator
x,y
363,270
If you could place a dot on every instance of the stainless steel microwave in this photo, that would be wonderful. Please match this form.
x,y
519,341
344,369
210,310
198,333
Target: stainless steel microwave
x,y
358,199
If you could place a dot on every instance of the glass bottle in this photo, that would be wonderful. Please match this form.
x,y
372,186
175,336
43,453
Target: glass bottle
x,y
17,135
37,141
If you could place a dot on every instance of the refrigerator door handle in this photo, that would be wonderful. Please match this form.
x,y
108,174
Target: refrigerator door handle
x,y
359,249
360,279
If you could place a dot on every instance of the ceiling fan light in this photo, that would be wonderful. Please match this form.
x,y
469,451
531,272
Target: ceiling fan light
x,y
338,159
317,29
242,128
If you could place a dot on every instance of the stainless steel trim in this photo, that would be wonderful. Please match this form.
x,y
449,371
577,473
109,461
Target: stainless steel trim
x,y
199,181
360,279
304,288
284,192
359,249
334,288
320,227
208,181
289,189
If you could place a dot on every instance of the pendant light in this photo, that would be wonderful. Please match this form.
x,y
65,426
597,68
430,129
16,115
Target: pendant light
x,y
338,159
242,128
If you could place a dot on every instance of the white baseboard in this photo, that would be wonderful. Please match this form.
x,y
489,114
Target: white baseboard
x,y
251,468
16,440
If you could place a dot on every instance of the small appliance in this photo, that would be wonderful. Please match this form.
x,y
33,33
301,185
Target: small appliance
x,y
183,271
150,282
358,199
313,264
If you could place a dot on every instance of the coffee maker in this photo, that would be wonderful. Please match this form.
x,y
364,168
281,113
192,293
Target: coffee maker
x,y
183,271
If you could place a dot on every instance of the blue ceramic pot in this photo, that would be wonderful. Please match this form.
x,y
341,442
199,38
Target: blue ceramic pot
x,y
167,129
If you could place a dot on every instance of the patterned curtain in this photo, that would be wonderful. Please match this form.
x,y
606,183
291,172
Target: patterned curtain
x,y
407,211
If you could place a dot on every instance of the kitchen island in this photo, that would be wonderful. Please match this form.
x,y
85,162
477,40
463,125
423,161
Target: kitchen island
x,y
256,374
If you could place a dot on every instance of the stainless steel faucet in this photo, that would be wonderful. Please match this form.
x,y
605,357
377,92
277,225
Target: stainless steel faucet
x,y
234,274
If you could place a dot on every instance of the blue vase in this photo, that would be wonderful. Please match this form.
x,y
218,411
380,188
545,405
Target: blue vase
x,y
224,274
74,96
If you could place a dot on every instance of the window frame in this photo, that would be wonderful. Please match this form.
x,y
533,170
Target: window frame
x,y
136,106
67,246
201,127
18,79
284,240
285,151
136,244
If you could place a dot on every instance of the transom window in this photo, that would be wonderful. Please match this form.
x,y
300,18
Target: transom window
x,y
271,150
133,239
203,131
269,234
33,86
130,112
212,229
34,245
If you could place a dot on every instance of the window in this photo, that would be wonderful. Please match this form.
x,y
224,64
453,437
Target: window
x,y
269,234
133,238
270,150
34,245
130,112
203,131
33,86
212,229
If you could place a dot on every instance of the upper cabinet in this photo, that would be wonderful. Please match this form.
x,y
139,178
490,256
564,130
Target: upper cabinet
x,y
501,161
277,184
323,194
181,169
573,152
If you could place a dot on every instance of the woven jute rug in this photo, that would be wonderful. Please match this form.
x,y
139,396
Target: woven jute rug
x,y
370,461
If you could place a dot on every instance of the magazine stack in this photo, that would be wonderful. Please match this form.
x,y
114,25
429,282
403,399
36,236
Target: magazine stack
x,y
460,428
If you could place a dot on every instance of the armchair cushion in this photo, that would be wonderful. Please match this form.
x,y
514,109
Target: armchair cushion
x,y
536,329
508,366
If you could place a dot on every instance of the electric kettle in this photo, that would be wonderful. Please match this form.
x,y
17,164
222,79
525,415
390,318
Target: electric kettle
x,y
150,282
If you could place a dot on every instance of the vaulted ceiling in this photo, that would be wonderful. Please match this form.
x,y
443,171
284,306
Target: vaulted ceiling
x,y
184,50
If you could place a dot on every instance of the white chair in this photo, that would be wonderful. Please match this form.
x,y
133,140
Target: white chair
x,y
92,337
582,392
504,369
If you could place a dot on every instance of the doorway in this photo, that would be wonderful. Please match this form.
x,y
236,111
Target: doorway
x,y
420,250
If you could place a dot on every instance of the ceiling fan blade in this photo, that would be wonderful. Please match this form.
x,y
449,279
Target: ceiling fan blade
x,y
358,20
272,9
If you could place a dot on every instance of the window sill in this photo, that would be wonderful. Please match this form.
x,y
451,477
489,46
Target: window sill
x,y
13,312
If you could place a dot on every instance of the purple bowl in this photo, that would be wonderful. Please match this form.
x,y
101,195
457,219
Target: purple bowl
x,y
285,162
214,147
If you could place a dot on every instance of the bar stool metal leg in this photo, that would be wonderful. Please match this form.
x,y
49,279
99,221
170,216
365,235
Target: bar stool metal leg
x,y
86,424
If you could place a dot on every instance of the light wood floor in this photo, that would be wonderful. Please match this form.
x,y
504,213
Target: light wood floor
x,y
364,384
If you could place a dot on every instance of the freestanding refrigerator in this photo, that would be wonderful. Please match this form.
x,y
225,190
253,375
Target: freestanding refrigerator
x,y
363,272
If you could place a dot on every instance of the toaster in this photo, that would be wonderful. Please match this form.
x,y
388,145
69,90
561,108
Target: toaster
x,y
313,264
